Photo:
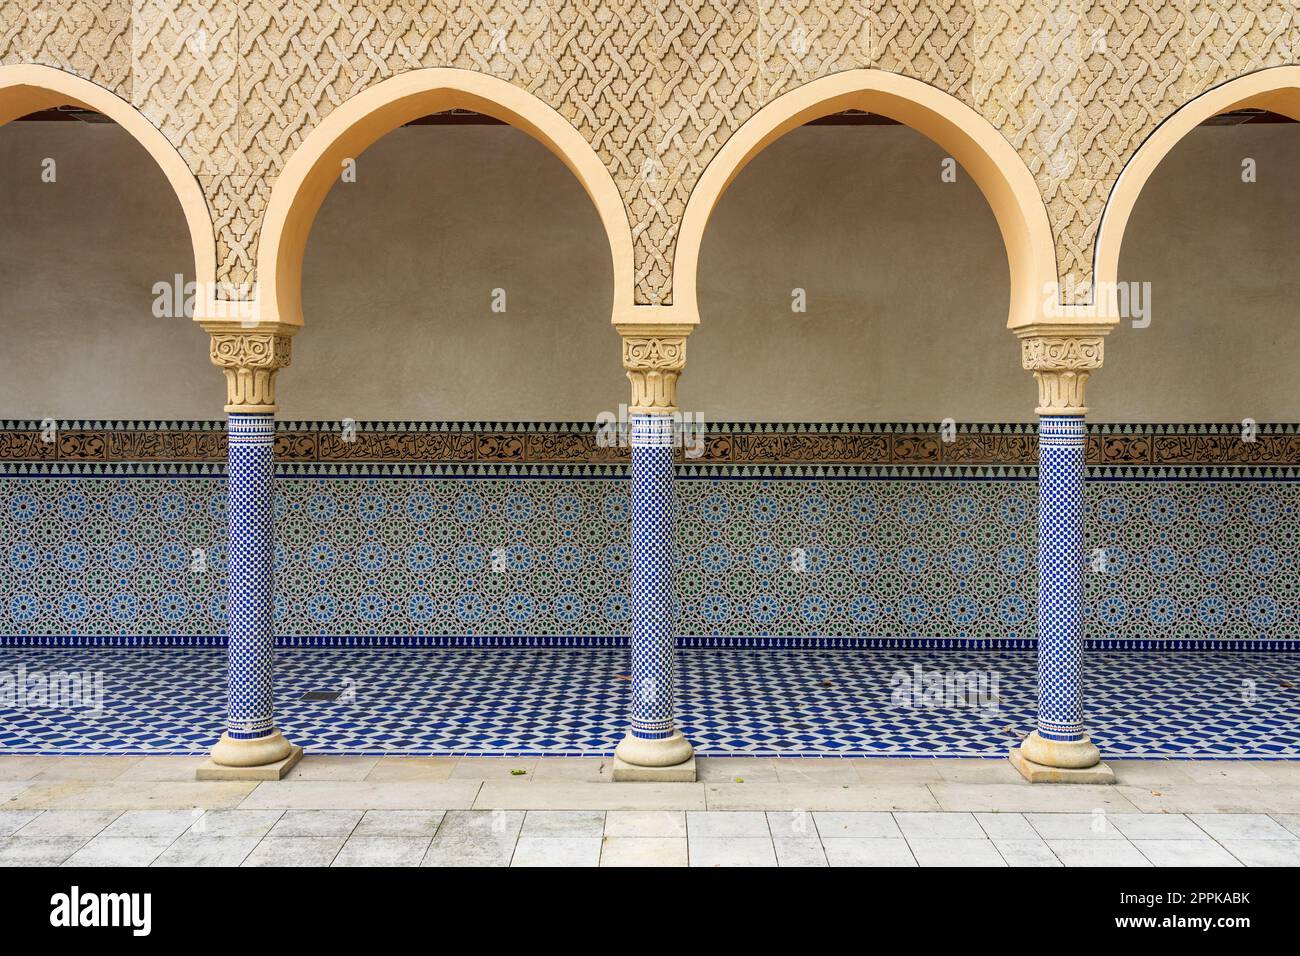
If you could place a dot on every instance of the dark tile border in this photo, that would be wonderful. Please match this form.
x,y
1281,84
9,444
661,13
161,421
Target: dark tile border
x,y
914,446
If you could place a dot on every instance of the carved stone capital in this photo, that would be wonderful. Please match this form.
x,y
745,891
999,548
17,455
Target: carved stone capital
x,y
1061,362
654,356
250,357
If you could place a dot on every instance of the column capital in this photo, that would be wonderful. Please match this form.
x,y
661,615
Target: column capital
x,y
1061,358
654,356
250,355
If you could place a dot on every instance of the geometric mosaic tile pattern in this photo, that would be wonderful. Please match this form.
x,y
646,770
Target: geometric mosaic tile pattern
x,y
548,556
574,702
1060,576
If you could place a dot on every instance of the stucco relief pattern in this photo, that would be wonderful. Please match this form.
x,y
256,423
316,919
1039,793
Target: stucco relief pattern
x,y
91,38
656,87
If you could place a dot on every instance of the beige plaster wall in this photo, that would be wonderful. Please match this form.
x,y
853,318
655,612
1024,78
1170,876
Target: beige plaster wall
x,y
78,260
905,278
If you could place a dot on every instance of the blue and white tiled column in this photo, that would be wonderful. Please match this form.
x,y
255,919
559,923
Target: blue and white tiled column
x,y
654,357
1062,364
250,359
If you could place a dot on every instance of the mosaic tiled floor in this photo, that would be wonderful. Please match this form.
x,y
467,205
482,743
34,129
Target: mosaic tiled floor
x,y
573,702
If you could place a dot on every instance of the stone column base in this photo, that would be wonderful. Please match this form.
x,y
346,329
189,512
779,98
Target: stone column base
x,y
670,760
1065,753
1068,754
266,758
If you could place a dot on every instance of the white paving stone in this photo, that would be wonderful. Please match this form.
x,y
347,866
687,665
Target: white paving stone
x,y
469,853
1156,826
735,770
1074,826
475,838
477,824
1030,852
799,852
1245,772
869,851
833,825
939,826
732,851
1241,826
15,767
383,851
403,823
11,820
643,851
38,850
57,823
557,851
316,823
564,823
1203,852
120,851
1291,821
235,823
163,768
645,823
930,851
152,823
332,768
295,851
1265,852
193,849
1098,853
739,823
1006,826
791,824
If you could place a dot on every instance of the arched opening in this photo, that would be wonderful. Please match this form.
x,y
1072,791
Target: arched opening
x,y
852,521
1208,256
316,164
966,136
463,276
99,215
104,236
844,279
28,88
1276,90
1203,230
456,294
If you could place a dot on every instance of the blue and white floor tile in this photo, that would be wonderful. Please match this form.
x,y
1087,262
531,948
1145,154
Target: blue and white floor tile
x,y
574,702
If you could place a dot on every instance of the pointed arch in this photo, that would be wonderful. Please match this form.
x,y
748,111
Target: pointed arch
x,y
349,129
973,141
27,88
1276,89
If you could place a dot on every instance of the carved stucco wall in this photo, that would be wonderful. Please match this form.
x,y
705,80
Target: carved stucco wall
x,y
656,86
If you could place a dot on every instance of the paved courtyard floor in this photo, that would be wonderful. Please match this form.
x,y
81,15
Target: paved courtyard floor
x,y
573,702
553,811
